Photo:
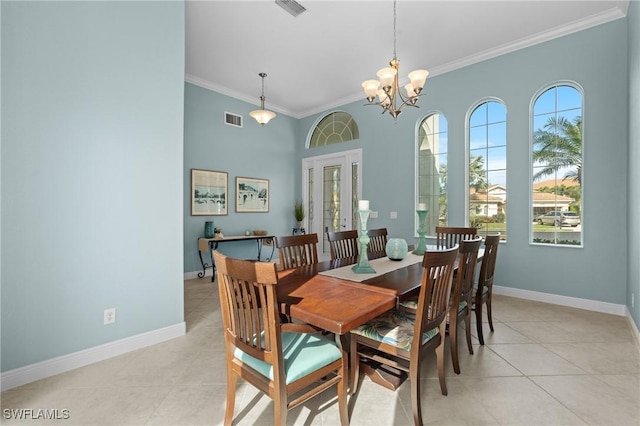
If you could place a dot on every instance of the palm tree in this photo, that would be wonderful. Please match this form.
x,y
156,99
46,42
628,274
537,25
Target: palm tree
x,y
477,174
559,145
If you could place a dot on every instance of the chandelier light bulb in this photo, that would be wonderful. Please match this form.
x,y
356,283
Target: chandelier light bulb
x,y
370,89
418,78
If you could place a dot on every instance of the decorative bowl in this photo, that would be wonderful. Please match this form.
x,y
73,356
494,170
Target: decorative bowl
x,y
260,232
396,248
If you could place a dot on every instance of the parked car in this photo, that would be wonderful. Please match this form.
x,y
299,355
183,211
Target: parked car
x,y
559,218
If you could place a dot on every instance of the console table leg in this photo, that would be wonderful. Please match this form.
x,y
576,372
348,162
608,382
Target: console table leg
x,y
204,267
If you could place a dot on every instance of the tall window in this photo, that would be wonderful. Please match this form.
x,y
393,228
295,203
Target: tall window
x,y
556,157
335,127
488,168
432,169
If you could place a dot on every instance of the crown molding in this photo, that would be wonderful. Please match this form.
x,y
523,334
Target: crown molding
x,y
620,11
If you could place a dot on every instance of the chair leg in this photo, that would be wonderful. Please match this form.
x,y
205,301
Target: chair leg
x,y
489,313
453,340
479,322
440,361
414,380
467,329
354,366
232,381
279,411
343,390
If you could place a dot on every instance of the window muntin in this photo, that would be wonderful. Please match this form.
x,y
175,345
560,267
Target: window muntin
x,y
432,169
556,164
487,168
335,127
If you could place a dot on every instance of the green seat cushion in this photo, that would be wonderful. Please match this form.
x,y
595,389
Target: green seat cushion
x,y
410,303
395,327
303,354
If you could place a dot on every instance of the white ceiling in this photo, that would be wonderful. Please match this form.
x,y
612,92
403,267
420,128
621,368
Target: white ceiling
x,y
318,60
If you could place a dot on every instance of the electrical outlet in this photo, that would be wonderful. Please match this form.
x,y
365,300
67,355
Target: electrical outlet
x,y
109,316
374,215
393,215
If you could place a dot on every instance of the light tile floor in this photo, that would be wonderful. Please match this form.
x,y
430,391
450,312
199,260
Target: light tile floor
x,y
543,365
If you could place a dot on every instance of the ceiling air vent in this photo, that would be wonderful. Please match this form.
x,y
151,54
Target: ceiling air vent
x,y
232,119
291,6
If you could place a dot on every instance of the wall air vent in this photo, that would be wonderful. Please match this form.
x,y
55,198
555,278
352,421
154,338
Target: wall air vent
x,y
291,6
232,119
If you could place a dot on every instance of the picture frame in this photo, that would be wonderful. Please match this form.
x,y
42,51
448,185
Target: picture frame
x,y
209,193
252,195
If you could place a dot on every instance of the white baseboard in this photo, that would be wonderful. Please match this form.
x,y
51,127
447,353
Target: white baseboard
x,y
574,302
634,328
41,370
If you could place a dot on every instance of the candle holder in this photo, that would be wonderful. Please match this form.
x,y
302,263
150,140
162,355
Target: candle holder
x,y
422,230
363,267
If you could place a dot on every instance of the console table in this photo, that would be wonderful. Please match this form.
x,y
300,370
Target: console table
x,y
210,244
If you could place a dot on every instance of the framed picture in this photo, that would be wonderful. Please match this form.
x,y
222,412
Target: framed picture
x,y
252,195
209,191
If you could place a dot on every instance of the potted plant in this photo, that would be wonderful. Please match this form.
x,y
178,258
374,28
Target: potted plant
x,y
298,213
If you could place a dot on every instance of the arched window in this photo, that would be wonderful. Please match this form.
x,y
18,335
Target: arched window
x,y
487,170
556,164
335,127
432,169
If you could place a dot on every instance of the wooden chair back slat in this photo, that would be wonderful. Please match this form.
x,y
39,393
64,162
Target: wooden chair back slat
x,y
295,251
343,244
377,243
449,236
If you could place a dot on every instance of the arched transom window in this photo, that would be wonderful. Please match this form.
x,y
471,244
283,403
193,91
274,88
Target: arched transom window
x,y
336,127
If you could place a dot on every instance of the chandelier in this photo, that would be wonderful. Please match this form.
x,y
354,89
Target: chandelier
x,y
262,115
390,98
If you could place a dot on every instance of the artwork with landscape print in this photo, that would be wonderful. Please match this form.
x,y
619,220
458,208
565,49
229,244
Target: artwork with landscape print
x,y
208,193
252,195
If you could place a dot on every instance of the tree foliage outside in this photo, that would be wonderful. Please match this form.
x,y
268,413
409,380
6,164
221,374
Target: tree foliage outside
x,y
558,145
477,174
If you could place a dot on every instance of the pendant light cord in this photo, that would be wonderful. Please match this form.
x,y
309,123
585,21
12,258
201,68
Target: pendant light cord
x,y
394,30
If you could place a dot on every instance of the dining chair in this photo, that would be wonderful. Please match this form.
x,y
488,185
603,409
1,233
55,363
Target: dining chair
x,y
449,236
484,291
295,251
343,244
377,243
401,338
461,296
285,361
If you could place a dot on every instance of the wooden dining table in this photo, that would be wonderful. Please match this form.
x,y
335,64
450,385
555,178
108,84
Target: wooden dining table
x,y
338,305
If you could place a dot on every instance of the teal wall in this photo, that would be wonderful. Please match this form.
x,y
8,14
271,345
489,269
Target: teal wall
x,y
633,17
92,173
263,152
597,60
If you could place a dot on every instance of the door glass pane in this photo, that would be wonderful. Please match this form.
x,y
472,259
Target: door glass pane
x,y
331,199
355,196
310,198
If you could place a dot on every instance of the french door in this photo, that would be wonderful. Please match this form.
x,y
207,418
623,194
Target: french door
x,y
331,188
